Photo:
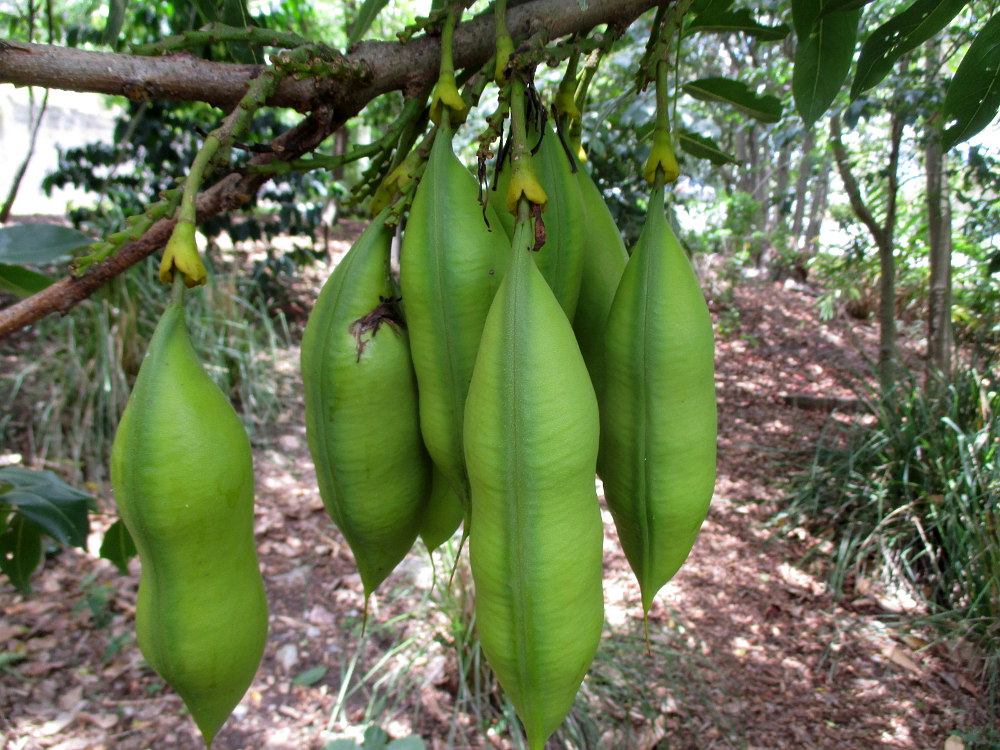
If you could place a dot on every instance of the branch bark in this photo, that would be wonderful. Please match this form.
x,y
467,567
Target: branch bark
x,y
368,70
371,69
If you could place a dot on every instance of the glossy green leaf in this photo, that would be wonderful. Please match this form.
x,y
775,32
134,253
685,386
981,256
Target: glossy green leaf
x,y
118,546
364,19
702,147
897,36
22,282
761,107
39,244
822,62
42,497
20,551
738,21
973,96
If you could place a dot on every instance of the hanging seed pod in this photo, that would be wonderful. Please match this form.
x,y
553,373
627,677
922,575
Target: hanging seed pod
x,y
604,259
361,409
182,474
531,438
658,419
451,264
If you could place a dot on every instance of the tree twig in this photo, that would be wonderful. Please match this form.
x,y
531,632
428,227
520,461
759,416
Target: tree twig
x,y
230,192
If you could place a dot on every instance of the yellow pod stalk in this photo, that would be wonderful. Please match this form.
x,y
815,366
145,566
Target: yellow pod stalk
x,y
560,259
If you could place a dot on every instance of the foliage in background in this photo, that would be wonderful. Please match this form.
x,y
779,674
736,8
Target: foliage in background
x,y
64,417
909,493
36,506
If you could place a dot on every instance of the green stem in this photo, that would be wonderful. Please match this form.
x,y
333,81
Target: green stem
x,y
177,291
662,96
569,81
447,37
218,32
138,225
504,43
321,161
519,149
565,100
523,183
218,142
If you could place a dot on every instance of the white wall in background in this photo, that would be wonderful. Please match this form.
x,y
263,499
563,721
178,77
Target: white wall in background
x,y
71,119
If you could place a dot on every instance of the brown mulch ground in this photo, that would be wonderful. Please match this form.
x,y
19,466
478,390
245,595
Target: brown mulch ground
x,y
747,649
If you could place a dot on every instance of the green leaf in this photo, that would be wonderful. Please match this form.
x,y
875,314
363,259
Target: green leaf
x,y
375,738
805,14
22,282
832,6
710,6
208,10
20,551
740,21
41,496
897,36
342,744
765,108
118,546
11,657
39,244
364,19
310,676
116,19
822,62
973,96
235,13
410,742
702,147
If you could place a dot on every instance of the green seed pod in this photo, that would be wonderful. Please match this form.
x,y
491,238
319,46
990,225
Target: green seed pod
x,y
443,514
561,257
658,418
531,438
450,267
362,422
604,260
182,474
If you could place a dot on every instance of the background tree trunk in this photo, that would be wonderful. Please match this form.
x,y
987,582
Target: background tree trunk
x,y
801,191
882,234
940,339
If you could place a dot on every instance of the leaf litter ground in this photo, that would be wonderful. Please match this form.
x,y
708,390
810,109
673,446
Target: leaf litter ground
x,y
747,649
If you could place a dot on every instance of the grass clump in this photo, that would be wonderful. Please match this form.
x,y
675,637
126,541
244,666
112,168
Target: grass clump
x,y
64,388
909,494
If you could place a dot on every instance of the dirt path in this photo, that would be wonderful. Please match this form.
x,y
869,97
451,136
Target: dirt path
x,y
746,649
